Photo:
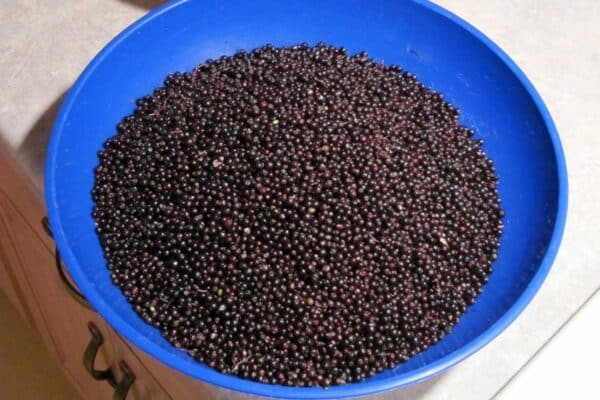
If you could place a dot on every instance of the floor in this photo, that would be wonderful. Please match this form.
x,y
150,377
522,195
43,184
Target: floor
x,y
27,370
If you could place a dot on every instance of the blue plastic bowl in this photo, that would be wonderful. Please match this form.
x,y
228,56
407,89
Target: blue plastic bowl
x,y
445,53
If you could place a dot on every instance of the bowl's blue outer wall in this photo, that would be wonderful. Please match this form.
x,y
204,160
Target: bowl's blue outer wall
x,y
445,53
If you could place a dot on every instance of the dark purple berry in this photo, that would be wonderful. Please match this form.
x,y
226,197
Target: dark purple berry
x,y
297,216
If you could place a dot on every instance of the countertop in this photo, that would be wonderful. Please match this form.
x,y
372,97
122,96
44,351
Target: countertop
x,y
45,44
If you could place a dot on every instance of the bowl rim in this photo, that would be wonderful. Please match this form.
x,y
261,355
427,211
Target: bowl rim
x,y
214,377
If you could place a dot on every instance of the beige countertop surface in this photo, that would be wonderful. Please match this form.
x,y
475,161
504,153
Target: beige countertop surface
x,y
45,44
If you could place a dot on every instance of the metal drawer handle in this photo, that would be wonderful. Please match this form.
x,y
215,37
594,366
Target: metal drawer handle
x,y
73,291
89,356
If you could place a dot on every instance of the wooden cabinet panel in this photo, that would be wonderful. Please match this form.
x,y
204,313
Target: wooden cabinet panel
x,y
28,276
64,320
19,201
9,262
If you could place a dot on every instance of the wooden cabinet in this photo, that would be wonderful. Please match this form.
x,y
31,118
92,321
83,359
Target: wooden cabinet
x,y
63,321
29,278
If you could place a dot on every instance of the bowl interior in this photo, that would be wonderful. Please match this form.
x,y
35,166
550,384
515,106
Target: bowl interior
x,y
444,53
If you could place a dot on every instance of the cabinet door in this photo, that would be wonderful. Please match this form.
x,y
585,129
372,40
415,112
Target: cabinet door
x,y
65,321
30,278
